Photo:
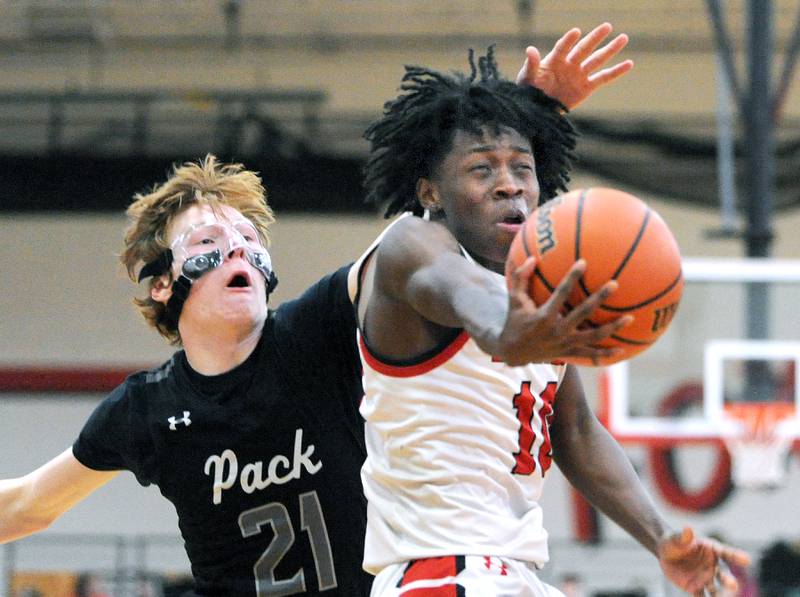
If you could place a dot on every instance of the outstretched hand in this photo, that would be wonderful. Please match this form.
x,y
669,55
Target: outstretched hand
x,y
543,334
569,72
699,565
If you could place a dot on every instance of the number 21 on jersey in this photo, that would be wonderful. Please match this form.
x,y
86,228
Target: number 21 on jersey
x,y
277,516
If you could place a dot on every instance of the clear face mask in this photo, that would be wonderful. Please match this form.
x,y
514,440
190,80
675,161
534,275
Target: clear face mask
x,y
203,247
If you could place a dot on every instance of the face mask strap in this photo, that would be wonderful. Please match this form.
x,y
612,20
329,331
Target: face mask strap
x,y
158,266
197,266
272,282
192,269
180,292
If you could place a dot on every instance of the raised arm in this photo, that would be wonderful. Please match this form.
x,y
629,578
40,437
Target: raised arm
x,y
595,464
575,67
420,272
31,503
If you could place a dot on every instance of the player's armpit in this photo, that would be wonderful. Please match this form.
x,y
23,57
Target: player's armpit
x,y
31,503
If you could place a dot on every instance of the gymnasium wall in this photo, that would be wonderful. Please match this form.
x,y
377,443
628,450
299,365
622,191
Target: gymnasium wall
x,y
355,49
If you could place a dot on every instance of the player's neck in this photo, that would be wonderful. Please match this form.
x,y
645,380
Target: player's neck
x,y
218,352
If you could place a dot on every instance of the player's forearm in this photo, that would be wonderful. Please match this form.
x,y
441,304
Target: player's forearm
x,y
18,515
481,310
453,293
600,470
31,503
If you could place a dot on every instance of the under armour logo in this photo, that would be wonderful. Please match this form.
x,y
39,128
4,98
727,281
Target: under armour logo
x,y
503,568
173,421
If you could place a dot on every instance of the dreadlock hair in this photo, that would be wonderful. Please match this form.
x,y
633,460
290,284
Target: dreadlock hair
x,y
416,130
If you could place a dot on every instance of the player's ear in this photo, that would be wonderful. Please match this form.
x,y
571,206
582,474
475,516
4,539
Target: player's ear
x,y
428,195
161,290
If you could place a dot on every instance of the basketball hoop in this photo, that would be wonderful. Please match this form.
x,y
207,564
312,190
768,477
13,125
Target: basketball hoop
x,y
758,449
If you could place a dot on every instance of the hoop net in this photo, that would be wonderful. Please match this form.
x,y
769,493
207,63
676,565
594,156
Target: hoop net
x,y
758,451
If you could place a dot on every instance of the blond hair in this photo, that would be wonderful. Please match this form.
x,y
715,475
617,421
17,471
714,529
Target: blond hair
x,y
205,182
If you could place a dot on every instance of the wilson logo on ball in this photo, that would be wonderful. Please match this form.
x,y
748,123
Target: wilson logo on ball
x,y
662,317
545,237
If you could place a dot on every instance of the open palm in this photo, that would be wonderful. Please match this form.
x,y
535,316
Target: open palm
x,y
573,69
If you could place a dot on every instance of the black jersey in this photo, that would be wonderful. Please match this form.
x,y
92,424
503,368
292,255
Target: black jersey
x,y
261,463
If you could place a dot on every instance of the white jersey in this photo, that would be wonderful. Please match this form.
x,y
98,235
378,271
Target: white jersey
x,y
458,448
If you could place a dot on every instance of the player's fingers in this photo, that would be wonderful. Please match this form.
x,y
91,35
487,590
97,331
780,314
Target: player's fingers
x,y
601,332
606,53
723,553
585,310
724,577
700,581
734,556
622,322
521,281
686,537
527,74
722,582
560,295
565,43
587,45
678,545
612,73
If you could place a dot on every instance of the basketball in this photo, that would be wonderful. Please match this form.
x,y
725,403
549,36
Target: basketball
x,y
621,238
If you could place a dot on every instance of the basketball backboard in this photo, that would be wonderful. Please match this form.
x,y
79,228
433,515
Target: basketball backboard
x,y
735,340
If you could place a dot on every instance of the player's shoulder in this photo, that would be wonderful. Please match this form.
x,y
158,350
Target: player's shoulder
x,y
406,225
154,375
147,381
329,292
407,236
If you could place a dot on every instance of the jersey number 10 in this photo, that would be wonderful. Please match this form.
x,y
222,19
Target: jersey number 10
x,y
534,411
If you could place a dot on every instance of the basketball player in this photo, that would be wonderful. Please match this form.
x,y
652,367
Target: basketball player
x,y
252,429
465,406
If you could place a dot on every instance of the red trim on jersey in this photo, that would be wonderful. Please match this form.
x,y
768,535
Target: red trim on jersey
x,y
430,569
67,379
417,368
443,591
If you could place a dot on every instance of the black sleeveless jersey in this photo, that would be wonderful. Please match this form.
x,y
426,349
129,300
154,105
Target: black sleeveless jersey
x,y
262,463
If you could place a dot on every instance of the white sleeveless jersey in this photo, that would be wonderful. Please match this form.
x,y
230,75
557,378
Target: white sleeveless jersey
x,y
458,449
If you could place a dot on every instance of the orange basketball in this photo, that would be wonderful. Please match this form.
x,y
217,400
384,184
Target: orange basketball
x,y
621,239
